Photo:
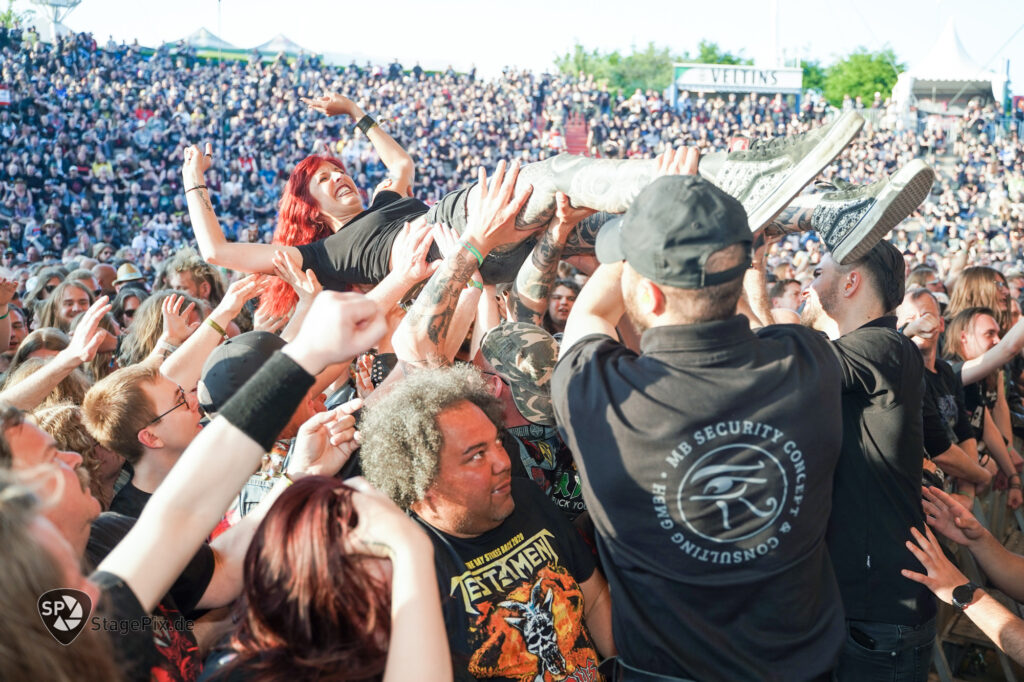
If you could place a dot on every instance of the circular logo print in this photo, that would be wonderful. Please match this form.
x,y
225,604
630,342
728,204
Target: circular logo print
x,y
732,493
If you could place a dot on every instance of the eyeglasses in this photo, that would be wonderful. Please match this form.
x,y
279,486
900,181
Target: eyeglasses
x,y
1000,284
182,400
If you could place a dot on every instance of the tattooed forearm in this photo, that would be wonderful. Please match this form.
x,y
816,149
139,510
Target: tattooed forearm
x,y
792,219
431,314
204,200
584,236
533,282
520,312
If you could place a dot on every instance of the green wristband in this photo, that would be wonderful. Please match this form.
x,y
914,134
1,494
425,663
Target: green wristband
x,y
473,250
471,283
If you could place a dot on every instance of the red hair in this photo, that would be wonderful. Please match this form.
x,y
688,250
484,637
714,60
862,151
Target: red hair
x,y
310,609
299,221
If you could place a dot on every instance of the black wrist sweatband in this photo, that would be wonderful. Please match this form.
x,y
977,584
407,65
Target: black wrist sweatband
x,y
265,404
365,123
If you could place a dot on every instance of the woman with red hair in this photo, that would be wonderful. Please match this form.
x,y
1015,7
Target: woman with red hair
x,y
338,585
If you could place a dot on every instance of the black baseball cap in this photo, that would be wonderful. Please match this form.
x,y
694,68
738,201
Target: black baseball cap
x,y
232,364
671,229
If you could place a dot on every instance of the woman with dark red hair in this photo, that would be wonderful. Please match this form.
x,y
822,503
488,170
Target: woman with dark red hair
x,y
338,586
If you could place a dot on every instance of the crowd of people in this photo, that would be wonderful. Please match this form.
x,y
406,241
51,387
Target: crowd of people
x,y
382,385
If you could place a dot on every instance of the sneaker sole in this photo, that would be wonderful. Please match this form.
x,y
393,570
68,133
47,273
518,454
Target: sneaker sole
x,y
841,134
904,193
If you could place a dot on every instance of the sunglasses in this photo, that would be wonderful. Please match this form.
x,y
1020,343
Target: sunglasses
x,y
49,288
129,312
182,400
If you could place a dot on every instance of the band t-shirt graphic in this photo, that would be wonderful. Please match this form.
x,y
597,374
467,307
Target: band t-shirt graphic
x,y
548,461
513,605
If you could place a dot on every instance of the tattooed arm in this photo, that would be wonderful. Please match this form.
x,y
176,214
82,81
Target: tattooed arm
x,y
532,287
213,245
492,222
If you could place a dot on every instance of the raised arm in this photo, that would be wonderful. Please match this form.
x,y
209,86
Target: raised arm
x,y
423,332
598,308
185,365
213,245
193,497
86,340
532,287
398,162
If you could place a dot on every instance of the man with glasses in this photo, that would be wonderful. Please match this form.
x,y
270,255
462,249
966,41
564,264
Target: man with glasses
x,y
146,418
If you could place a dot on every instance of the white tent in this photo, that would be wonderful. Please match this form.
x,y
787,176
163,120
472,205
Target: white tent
x,y
947,78
204,40
279,44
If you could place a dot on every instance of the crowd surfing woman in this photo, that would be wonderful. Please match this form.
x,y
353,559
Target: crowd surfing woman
x,y
323,224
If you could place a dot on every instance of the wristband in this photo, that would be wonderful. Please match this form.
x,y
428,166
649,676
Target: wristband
x,y
265,404
196,187
164,345
365,123
469,285
473,250
4,316
216,327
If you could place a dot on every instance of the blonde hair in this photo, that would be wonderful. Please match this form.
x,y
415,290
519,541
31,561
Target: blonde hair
x,y
977,288
147,326
71,388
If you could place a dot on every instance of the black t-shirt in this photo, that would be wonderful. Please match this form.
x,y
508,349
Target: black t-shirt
x,y
877,494
547,461
511,597
947,392
176,646
706,465
360,252
133,646
129,501
978,397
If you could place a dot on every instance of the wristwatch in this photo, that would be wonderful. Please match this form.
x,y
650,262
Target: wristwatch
x,y
963,595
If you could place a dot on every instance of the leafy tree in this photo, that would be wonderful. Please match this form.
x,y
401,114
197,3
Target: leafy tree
x,y
814,75
862,73
10,18
709,53
647,69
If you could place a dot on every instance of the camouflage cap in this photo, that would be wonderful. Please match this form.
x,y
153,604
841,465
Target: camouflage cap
x,y
524,355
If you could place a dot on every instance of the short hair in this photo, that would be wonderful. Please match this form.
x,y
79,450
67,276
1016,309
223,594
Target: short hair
x,y
920,292
961,322
715,302
884,266
920,276
188,260
779,288
401,439
568,284
80,275
116,409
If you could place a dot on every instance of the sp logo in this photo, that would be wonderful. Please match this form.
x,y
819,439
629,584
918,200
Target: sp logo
x,y
64,612
732,493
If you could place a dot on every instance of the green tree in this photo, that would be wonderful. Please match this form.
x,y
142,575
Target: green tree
x,y
862,73
9,18
709,53
647,69
814,75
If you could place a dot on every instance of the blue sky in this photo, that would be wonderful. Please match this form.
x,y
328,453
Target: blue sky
x,y
530,33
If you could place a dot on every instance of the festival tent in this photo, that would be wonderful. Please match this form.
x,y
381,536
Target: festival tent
x,y
280,44
204,40
947,78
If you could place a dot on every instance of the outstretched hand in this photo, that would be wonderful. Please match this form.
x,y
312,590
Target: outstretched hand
x,y
950,518
325,442
682,161
942,575
411,248
241,291
176,325
332,104
492,216
196,163
8,288
88,336
305,284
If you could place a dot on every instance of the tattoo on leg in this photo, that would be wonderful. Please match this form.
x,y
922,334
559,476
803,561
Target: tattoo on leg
x,y
792,219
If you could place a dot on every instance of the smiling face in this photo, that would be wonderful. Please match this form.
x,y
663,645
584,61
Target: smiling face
x,y
73,301
473,490
335,193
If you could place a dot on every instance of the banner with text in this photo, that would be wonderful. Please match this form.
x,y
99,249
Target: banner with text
x,y
721,78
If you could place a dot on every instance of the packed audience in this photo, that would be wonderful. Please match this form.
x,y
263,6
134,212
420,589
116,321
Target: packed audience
x,y
196,382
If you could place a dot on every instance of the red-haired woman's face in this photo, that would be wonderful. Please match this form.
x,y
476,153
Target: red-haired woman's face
x,y
335,192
